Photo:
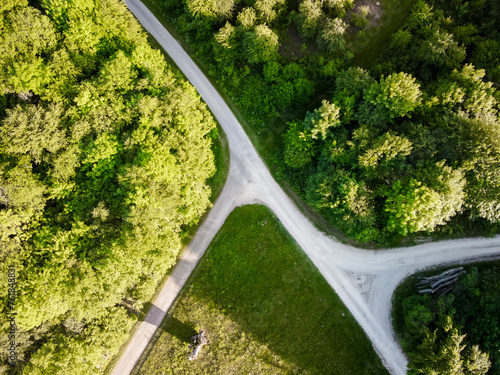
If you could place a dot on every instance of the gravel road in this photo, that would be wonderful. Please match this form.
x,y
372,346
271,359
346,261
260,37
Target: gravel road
x,y
365,280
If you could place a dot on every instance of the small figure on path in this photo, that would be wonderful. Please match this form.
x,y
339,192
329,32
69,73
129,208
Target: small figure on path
x,y
197,342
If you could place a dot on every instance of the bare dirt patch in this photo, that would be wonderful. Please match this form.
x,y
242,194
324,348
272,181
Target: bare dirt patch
x,y
374,15
293,46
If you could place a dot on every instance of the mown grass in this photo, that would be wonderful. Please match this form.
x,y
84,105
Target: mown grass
x,y
265,308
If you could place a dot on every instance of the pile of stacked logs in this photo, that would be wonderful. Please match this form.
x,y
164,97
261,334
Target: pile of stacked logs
x,y
440,284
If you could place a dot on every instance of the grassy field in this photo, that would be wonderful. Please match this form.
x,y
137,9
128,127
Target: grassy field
x,y
265,308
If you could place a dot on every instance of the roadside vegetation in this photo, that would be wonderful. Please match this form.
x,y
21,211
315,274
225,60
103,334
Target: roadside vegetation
x,y
382,116
105,152
265,308
458,333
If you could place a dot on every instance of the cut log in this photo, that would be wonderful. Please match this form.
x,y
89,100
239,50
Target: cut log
x,y
446,279
425,291
440,284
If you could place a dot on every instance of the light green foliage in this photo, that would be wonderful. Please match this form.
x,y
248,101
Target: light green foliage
x,y
299,145
82,35
247,18
211,8
117,74
26,35
384,149
29,33
25,76
21,201
310,15
225,36
260,45
480,102
331,36
339,6
441,50
104,157
95,342
449,183
33,130
268,10
412,207
398,93
423,203
9,4
324,117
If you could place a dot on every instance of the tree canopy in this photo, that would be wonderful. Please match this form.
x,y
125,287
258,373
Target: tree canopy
x,y
104,156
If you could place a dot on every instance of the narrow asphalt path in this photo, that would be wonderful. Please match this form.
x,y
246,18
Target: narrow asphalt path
x,y
365,280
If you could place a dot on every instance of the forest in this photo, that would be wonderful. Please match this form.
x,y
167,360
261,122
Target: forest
x,y
458,333
104,156
404,146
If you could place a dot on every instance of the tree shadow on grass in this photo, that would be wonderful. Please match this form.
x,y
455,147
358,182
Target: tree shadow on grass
x,y
168,323
182,331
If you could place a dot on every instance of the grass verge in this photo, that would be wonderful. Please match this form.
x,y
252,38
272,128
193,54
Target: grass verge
x,y
265,308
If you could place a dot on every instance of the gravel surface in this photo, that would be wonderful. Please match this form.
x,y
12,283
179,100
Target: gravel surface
x,y
365,280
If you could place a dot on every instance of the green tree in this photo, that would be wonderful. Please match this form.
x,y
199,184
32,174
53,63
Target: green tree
x,y
339,6
310,15
266,9
384,149
442,352
299,145
226,36
323,118
412,207
211,8
393,96
33,130
260,45
22,200
28,33
441,50
247,18
353,81
331,36
350,201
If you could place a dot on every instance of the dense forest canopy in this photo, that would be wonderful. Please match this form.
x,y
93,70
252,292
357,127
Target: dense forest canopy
x,y
417,138
409,146
457,333
104,155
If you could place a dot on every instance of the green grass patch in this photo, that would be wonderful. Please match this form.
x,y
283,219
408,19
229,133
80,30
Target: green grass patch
x,y
265,308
